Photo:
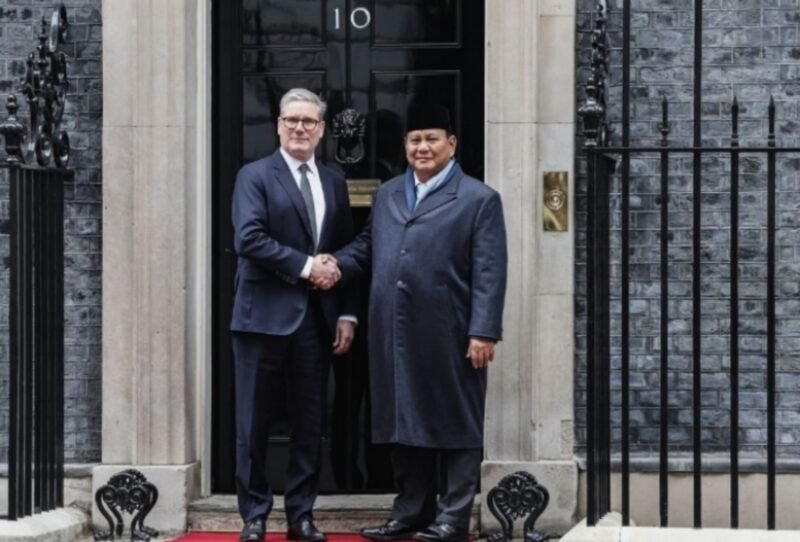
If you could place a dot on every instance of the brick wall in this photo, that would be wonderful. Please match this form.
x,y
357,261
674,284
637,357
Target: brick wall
x,y
751,50
18,21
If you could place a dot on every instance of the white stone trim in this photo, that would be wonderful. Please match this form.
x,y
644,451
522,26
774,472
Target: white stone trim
x,y
530,129
156,248
61,525
177,487
609,529
200,296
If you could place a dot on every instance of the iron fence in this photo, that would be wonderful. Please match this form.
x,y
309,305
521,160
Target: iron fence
x,y
36,338
36,275
603,160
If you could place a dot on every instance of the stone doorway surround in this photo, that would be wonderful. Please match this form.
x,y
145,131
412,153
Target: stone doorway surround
x,y
530,89
157,249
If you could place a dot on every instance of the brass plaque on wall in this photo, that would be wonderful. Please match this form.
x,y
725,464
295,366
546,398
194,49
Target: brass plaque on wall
x,y
362,191
556,201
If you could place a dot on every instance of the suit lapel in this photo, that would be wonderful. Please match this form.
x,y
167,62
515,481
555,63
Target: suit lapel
x,y
330,207
285,179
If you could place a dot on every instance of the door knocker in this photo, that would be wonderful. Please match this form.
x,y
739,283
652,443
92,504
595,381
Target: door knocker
x,y
349,127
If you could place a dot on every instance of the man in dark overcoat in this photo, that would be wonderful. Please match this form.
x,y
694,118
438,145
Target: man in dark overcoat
x,y
436,247
286,209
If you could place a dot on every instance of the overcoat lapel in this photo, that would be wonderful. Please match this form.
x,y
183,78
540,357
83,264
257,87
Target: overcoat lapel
x,y
439,196
399,203
285,179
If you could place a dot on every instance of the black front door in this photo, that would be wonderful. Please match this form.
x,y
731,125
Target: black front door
x,y
372,57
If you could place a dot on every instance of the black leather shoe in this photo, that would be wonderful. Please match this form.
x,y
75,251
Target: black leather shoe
x,y
253,531
305,531
391,530
442,532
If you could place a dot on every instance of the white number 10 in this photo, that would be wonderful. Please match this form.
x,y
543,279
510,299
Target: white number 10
x,y
359,13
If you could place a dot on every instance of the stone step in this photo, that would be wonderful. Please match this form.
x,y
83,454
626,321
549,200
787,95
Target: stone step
x,y
332,513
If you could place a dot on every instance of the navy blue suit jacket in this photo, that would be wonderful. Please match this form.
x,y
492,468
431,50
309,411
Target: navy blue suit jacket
x,y
272,239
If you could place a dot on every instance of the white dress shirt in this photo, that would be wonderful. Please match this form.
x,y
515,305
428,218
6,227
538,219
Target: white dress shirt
x,y
315,182
316,193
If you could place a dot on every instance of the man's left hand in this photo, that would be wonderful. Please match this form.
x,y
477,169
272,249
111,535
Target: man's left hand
x,y
480,352
345,332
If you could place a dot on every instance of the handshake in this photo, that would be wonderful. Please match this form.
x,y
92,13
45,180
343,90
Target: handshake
x,y
325,272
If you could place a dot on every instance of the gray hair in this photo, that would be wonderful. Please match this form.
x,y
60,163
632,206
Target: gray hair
x,y
303,95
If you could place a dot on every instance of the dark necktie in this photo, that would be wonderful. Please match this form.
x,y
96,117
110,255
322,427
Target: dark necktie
x,y
308,198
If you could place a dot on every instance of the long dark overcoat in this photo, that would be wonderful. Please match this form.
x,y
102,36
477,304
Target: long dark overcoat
x,y
438,278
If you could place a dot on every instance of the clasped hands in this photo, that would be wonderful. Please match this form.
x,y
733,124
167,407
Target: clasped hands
x,y
325,272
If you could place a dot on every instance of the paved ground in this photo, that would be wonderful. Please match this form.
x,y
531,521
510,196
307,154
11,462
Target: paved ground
x,y
609,529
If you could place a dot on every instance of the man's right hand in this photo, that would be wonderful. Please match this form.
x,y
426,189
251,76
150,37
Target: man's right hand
x,y
324,272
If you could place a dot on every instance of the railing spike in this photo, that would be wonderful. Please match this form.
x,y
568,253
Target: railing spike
x,y
45,88
13,132
593,110
771,136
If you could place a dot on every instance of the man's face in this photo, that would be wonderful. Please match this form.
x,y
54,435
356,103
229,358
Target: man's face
x,y
429,151
300,141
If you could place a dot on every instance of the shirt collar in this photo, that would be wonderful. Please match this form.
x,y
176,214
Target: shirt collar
x,y
294,163
436,179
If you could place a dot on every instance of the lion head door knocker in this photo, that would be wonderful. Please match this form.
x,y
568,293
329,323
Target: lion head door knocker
x,y
45,87
516,496
349,127
127,491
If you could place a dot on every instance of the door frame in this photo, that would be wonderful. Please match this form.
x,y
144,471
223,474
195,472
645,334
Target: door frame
x,y
217,71
226,99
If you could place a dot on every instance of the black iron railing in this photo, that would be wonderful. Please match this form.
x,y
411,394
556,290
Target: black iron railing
x,y
36,337
36,276
602,160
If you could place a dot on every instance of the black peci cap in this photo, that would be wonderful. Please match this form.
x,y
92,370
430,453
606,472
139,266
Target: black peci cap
x,y
428,116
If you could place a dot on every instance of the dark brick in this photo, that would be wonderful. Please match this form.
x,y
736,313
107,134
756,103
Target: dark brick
x,y
751,52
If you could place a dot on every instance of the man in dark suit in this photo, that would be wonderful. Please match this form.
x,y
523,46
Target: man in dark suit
x,y
436,247
287,208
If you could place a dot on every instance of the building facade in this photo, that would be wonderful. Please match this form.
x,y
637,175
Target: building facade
x,y
158,258
169,98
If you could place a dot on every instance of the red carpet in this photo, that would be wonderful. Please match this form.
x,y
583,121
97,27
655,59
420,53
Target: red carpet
x,y
203,536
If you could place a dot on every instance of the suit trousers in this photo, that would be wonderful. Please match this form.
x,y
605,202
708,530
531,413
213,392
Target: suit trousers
x,y
269,368
415,475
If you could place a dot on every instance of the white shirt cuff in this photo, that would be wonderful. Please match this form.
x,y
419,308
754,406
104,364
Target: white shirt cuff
x,y
306,272
349,318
